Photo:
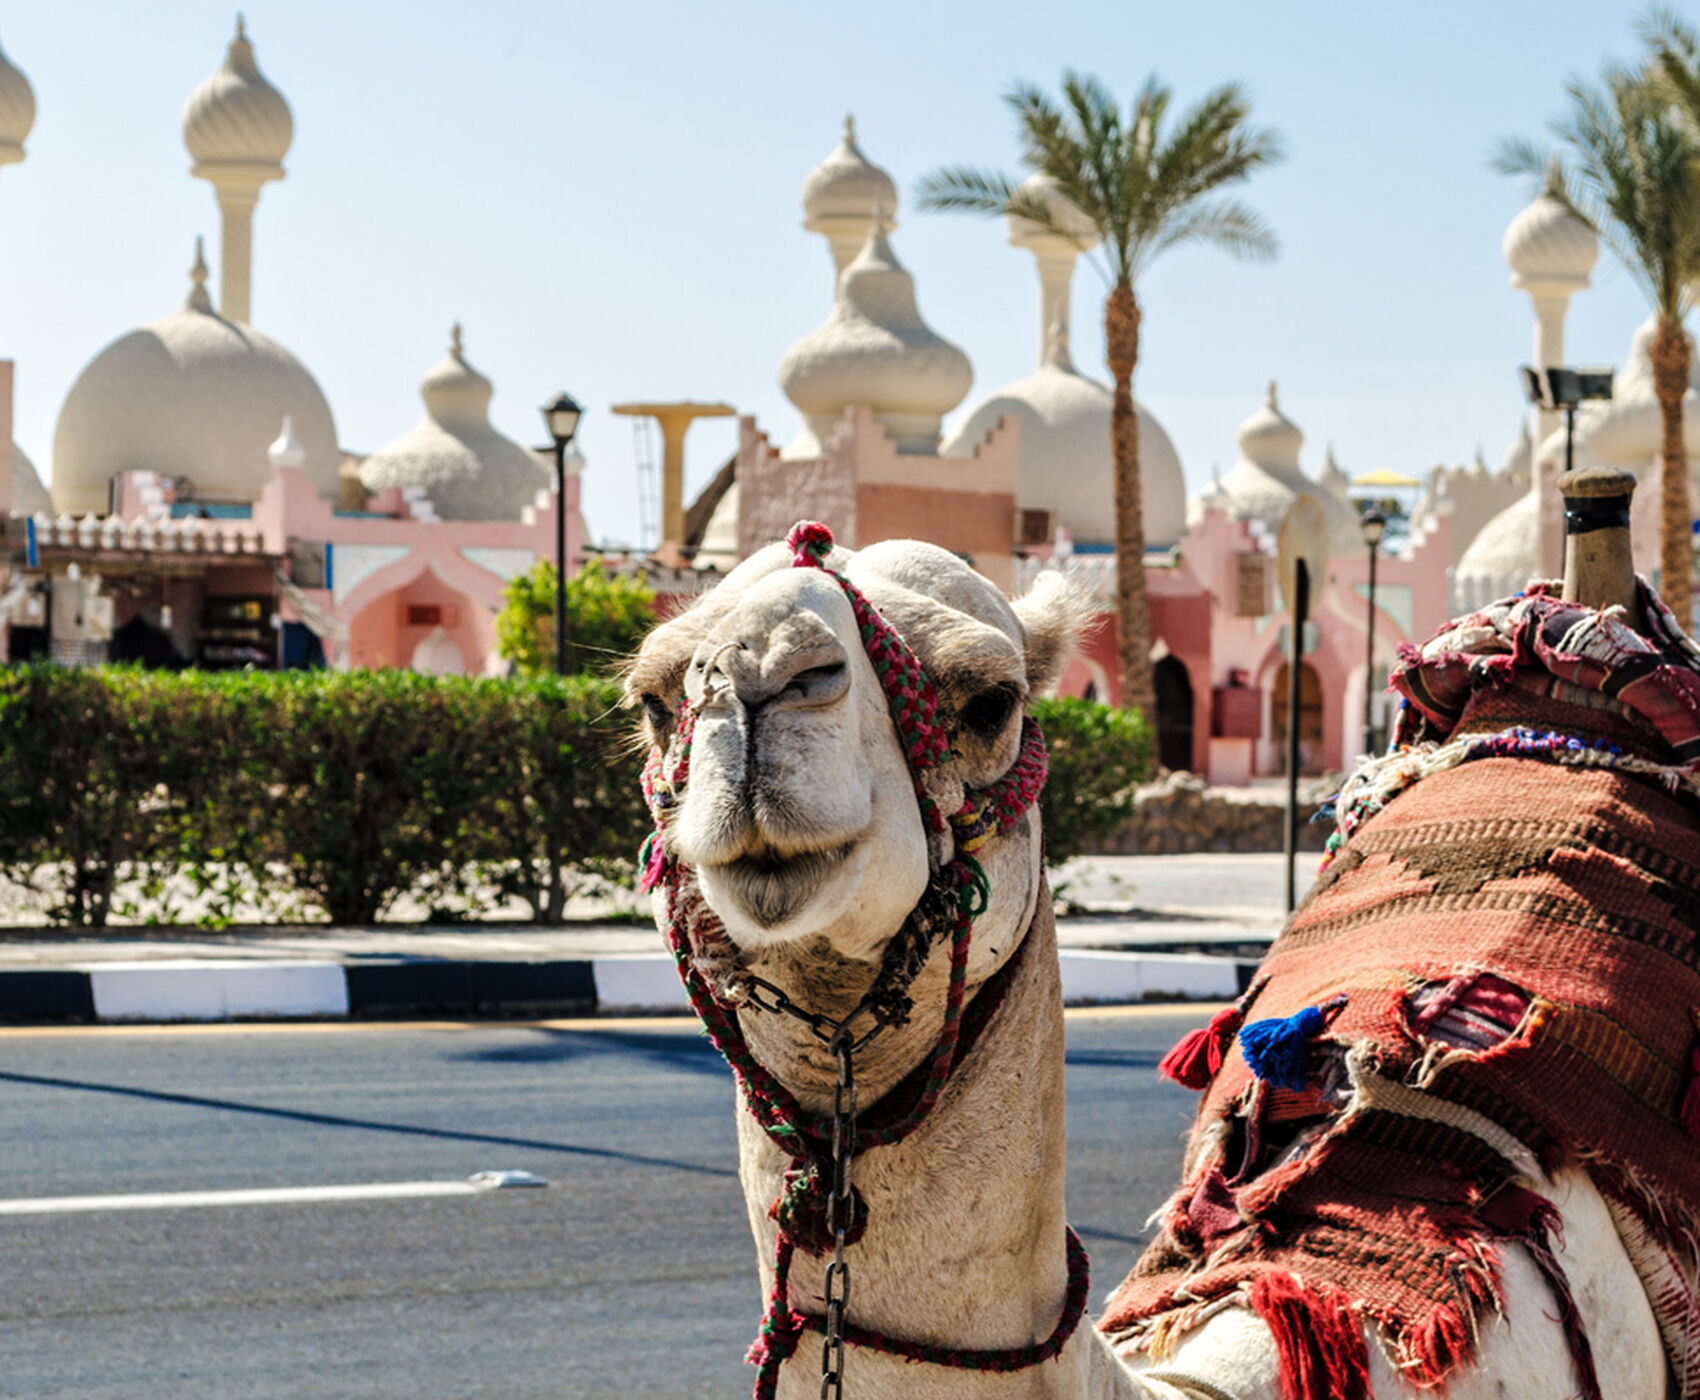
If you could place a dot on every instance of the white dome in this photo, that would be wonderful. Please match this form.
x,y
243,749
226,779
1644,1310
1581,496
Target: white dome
x,y
1546,243
1066,464
875,350
237,118
1333,479
192,396
29,496
1627,430
464,467
1503,557
1267,479
1072,226
17,111
847,185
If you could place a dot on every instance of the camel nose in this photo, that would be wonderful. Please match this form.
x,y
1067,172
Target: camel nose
x,y
801,664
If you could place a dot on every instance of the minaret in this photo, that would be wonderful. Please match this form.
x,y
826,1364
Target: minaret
x,y
1054,249
845,195
1550,252
238,128
17,111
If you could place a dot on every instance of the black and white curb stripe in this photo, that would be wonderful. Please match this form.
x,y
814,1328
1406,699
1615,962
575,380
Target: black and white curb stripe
x,y
244,989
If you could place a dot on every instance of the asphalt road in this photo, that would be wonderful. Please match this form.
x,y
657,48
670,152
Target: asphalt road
x,y
632,1274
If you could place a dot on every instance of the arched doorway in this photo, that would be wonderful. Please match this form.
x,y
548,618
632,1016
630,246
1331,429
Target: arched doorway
x,y
1174,713
1310,717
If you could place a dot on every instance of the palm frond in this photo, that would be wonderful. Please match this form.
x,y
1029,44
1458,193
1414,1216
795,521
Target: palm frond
x,y
1228,225
966,189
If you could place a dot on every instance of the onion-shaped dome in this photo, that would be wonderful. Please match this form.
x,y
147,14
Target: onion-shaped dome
x,y
846,195
848,185
462,465
1266,479
875,350
29,496
1548,245
192,396
1066,465
17,111
236,118
1333,479
1067,222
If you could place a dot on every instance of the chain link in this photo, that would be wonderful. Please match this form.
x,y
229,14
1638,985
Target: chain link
x,y
839,1206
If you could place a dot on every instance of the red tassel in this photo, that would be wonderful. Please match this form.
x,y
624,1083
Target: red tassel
x,y
1690,1115
1318,1341
1197,1056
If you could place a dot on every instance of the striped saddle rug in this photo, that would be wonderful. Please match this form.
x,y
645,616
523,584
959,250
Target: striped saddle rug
x,y
1496,974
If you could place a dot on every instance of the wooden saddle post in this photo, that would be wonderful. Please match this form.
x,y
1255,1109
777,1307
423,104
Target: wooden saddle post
x,y
1599,566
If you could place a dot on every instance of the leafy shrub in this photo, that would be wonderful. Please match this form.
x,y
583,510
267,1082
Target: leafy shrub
x,y
1099,755
338,791
607,616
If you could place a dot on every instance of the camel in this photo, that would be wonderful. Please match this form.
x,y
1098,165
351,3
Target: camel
x,y
801,837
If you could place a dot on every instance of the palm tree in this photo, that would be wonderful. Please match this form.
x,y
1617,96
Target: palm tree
x,y
1145,189
1633,172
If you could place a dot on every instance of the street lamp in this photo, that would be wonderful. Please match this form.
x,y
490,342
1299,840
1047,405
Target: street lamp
x,y
1569,389
1374,526
560,416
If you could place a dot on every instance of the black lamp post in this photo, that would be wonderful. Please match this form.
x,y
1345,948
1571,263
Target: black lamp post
x,y
1374,525
561,415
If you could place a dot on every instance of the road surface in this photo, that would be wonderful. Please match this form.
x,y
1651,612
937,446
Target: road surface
x,y
631,1274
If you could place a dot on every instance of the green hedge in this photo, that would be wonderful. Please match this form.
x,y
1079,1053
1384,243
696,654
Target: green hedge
x,y
328,795
316,793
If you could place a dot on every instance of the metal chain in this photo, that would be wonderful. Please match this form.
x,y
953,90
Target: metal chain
x,y
839,1207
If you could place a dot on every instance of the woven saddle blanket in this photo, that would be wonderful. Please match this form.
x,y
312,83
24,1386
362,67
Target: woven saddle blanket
x,y
1495,975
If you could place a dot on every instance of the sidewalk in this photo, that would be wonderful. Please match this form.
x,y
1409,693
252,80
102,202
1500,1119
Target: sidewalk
x,y
1116,949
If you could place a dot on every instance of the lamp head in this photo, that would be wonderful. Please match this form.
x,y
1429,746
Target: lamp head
x,y
560,416
1374,525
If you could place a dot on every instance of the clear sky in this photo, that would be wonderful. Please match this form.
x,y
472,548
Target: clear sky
x,y
607,196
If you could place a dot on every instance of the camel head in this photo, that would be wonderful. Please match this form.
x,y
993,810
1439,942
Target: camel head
x,y
800,815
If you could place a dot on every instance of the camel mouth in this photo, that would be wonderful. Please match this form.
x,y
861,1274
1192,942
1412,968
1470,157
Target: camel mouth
x,y
773,887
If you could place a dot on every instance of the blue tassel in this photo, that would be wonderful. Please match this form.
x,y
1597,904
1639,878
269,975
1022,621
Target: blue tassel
x,y
1277,1048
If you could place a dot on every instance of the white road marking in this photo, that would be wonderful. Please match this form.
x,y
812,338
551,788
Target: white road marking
x,y
479,1185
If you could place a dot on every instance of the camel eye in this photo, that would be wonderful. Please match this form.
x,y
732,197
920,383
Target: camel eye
x,y
988,712
660,717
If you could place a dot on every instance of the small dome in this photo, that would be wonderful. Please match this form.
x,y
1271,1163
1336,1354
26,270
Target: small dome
x,y
1269,439
1066,464
1332,479
17,111
236,117
847,185
464,467
1267,479
875,350
1070,224
192,396
29,496
1549,244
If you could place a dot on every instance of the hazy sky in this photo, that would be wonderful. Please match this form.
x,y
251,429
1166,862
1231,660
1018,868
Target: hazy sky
x,y
607,196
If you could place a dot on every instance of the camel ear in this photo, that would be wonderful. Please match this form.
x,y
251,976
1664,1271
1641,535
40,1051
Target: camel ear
x,y
1054,614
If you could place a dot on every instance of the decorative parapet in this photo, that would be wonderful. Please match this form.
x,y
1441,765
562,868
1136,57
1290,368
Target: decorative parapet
x,y
110,535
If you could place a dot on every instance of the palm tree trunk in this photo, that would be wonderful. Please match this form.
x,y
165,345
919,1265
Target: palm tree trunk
x,y
1133,609
1670,356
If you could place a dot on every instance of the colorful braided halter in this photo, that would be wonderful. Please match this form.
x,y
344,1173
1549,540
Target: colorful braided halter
x,y
719,982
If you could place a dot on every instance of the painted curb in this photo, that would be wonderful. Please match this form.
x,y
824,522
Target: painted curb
x,y
644,983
